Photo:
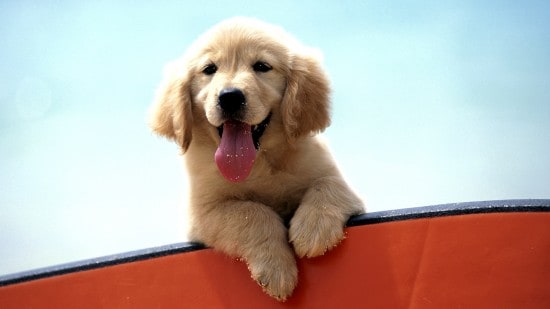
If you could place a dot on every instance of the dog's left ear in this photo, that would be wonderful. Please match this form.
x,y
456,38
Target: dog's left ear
x,y
306,103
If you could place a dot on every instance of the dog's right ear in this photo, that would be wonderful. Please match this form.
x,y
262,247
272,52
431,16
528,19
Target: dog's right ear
x,y
171,114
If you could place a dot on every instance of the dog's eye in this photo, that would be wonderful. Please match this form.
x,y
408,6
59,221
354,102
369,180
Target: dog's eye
x,y
210,69
261,67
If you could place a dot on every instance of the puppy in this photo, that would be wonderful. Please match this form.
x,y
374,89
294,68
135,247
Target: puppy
x,y
245,103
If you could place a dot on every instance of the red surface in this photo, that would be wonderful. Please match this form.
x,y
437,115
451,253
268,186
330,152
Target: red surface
x,y
472,261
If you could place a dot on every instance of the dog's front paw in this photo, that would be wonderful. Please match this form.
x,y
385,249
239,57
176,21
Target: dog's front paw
x,y
314,233
276,273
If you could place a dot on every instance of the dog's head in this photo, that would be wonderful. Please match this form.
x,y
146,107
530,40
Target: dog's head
x,y
246,80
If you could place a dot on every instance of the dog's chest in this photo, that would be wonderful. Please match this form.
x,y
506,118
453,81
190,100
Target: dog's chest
x,y
282,195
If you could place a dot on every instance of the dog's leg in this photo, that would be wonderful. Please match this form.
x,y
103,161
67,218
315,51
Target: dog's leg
x,y
318,224
254,232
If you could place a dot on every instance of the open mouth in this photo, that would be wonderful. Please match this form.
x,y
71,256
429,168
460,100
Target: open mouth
x,y
236,152
257,131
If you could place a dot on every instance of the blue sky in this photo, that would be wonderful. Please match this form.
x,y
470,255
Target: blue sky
x,y
434,102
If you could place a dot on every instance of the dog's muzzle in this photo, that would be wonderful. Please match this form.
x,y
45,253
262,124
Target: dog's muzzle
x,y
232,103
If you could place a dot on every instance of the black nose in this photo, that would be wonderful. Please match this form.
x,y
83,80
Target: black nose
x,y
231,100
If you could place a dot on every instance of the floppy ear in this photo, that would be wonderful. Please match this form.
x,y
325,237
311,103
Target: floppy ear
x,y
306,104
172,115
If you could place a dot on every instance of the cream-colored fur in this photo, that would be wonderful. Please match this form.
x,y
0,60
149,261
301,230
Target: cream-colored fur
x,y
293,179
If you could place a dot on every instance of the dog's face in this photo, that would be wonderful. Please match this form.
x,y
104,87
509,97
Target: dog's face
x,y
241,82
238,78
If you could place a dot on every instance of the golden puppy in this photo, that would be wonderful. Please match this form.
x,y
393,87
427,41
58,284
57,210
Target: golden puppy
x,y
245,103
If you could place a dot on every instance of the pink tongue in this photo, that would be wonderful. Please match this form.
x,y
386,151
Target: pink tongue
x,y
236,153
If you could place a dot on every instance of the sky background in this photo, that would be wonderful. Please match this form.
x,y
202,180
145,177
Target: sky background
x,y
433,102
